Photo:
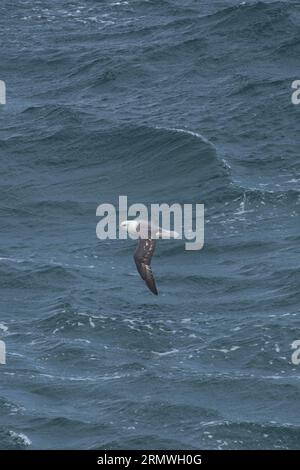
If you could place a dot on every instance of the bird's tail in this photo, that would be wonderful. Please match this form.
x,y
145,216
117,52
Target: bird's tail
x,y
167,234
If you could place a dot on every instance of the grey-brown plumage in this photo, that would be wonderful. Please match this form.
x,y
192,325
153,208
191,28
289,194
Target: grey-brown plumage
x,y
147,234
142,257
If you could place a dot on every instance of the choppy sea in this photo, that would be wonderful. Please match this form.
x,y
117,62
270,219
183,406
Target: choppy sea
x,y
163,101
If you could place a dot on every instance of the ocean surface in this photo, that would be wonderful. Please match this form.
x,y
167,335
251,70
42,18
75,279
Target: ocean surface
x,y
163,101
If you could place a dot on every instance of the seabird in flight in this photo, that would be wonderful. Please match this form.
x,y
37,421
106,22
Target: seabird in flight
x,y
147,235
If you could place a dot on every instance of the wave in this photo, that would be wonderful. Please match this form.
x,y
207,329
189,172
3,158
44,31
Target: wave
x,y
12,440
148,164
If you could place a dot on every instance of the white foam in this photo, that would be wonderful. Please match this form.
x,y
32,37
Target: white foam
x,y
166,353
21,437
187,131
82,340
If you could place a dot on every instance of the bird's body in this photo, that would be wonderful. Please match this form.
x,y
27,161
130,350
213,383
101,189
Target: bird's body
x,y
147,234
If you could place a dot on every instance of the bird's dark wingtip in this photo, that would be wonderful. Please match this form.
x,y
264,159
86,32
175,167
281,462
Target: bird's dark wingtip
x,y
152,288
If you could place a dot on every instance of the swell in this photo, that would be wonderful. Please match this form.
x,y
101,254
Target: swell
x,y
194,31
156,162
172,162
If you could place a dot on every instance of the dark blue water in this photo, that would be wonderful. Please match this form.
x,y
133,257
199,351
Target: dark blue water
x,y
164,101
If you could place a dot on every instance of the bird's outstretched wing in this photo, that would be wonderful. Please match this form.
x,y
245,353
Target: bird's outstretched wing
x,y
142,258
